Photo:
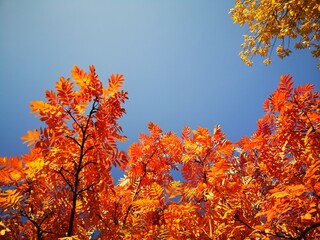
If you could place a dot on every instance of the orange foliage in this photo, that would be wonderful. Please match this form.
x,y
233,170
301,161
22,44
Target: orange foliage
x,y
262,187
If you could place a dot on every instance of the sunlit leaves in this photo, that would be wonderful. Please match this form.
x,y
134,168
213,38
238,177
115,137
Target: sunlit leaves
x,y
80,77
10,199
10,170
265,186
115,84
281,161
70,159
278,25
65,91
4,229
90,85
174,189
31,137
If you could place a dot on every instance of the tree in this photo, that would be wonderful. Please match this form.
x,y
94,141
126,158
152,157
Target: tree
x,y
280,165
274,24
51,192
262,187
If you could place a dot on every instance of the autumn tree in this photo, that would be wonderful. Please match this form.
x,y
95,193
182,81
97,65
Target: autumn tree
x,y
281,163
51,191
278,25
263,187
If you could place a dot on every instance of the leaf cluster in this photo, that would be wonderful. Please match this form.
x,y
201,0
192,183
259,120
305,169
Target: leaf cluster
x,y
263,187
275,24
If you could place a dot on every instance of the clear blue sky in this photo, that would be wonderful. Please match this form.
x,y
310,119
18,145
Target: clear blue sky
x,y
180,60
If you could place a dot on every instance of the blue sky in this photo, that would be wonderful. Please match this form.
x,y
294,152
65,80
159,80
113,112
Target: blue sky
x,y
180,60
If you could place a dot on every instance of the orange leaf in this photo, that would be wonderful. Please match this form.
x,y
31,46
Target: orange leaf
x,y
31,137
115,84
307,216
80,77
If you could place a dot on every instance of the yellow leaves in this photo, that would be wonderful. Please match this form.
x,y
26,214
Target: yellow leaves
x,y
31,138
35,166
145,205
189,193
70,238
199,149
9,198
269,21
244,57
89,83
192,148
80,77
281,52
280,194
156,191
209,195
186,158
124,182
15,175
79,206
51,114
267,61
40,108
307,216
145,149
81,107
4,230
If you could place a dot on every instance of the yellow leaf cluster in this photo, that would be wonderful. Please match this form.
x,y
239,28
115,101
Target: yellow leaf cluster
x,y
10,198
31,138
269,21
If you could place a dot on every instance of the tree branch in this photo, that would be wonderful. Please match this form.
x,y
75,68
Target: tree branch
x,y
85,189
307,229
67,171
87,150
73,118
48,215
79,166
87,163
65,179
137,188
75,140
